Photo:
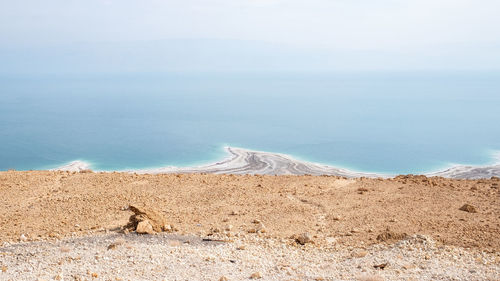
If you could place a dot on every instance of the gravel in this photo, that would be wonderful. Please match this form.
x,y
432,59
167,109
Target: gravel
x,y
175,257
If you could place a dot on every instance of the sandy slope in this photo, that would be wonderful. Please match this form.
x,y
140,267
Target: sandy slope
x,y
340,214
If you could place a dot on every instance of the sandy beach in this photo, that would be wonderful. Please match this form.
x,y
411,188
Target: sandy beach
x,y
59,225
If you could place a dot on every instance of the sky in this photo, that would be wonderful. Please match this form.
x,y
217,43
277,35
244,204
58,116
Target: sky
x,y
407,34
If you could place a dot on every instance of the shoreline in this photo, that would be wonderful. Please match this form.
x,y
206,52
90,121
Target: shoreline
x,y
244,161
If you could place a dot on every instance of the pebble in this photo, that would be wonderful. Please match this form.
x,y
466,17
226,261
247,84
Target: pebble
x,y
468,208
256,275
360,254
304,238
23,238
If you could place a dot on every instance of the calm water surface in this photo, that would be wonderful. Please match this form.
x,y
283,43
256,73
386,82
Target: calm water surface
x,y
392,122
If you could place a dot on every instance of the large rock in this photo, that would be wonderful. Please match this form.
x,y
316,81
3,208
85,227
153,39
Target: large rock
x,y
144,227
147,221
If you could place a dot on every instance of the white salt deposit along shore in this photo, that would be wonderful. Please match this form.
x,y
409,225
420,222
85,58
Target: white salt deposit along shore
x,y
244,161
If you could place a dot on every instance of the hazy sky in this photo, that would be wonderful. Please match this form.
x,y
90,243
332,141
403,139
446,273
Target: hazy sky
x,y
452,28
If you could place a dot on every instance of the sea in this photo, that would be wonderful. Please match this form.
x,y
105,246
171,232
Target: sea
x,y
383,122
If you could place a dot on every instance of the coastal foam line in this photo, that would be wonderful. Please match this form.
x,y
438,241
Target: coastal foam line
x,y
244,161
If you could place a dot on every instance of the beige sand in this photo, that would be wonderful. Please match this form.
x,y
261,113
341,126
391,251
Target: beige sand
x,y
340,214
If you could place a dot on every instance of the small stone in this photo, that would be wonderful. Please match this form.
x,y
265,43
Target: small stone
x,y
408,266
331,240
360,254
381,266
256,275
23,238
223,278
228,227
65,249
304,238
468,208
94,275
4,268
241,247
144,227
362,190
336,218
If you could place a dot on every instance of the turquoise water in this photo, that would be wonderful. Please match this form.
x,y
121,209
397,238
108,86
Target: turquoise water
x,y
384,122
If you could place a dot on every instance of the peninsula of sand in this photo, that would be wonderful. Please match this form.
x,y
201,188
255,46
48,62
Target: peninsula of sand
x,y
244,161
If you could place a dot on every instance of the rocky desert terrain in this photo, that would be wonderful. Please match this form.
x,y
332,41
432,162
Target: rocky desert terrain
x,y
124,226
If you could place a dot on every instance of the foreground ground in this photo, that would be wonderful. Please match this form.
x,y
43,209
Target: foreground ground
x,y
412,223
